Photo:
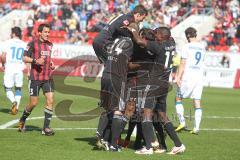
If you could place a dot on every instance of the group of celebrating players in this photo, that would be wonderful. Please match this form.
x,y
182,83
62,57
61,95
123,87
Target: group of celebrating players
x,y
135,83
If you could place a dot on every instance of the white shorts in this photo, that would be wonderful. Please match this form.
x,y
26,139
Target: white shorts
x,y
190,89
11,79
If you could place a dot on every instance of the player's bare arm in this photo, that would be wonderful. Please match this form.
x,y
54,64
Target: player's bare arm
x,y
3,59
133,66
142,42
180,71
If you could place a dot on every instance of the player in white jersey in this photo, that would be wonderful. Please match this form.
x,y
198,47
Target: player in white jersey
x,y
190,78
12,61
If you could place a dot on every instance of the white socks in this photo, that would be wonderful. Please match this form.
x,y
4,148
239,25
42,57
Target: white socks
x,y
180,113
198,118
10,96
18,99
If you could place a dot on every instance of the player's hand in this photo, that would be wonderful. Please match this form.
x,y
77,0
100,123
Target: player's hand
x,y
40,61
129,28
52,66
133,66
178,81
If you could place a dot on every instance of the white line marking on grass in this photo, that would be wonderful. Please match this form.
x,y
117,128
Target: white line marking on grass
x,y
8,124
220,129
13,122
204,129
216,117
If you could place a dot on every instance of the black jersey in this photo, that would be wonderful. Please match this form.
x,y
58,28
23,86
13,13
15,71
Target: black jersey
x,y
141,54
117,63
110,32
164,52
114,28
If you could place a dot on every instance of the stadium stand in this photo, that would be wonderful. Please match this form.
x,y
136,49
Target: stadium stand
x,y
226,35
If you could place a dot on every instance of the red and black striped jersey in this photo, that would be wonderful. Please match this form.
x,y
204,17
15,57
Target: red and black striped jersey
x,y
37,49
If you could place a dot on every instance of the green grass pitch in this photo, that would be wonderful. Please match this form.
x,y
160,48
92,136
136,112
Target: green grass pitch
x,y
74,138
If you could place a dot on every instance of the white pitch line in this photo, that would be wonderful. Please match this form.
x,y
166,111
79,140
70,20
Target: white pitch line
x,y
15,121
203,129
216,117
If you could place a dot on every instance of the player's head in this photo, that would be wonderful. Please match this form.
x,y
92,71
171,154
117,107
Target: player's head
x,y
190,32
162,33
139,13
147,33
43,31
16,32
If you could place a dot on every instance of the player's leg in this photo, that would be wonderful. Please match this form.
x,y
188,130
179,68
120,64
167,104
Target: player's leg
x,y
100,52
196,95
48,90
179,147
197,116
121,112
34,88
131,126
148,103
179,111
139,137
8,81
147,131
161,147
105,98
18,88
103,132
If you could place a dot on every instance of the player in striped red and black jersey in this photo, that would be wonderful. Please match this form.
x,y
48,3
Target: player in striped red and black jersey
x,y
38,53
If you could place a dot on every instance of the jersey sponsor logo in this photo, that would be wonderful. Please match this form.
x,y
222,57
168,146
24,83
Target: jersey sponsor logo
x,y
45,53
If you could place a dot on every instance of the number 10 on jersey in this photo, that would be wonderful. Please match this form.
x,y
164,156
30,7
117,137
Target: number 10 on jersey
x,y
17,53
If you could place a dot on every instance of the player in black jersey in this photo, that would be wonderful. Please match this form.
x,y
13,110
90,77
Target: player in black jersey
x,y
163,47
113,29
113,85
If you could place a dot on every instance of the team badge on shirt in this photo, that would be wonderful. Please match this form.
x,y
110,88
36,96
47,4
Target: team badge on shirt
x,y
126,22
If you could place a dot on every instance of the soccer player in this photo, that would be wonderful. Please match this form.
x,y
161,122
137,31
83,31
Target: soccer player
x,y
12,61
113,87
113,29
102,46
163,47
38,53
190,78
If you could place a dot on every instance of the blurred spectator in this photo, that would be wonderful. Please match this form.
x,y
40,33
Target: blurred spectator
x,y
30,23
225,62
234,48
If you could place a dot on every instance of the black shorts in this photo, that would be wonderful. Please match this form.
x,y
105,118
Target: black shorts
x,y
112,96
100,50
36,85
161,104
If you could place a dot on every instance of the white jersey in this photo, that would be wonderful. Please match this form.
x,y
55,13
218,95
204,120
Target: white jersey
x,y
14,49
194,54
192,83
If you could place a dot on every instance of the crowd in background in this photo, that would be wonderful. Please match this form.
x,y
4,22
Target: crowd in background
x,y
77,21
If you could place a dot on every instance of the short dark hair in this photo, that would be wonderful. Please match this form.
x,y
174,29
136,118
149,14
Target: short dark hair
x,y
147,33
17,31
164,31
190,32
41,26
140,9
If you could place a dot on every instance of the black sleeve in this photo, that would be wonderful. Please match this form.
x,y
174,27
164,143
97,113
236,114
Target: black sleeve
x,y
154,47
29,49
116,24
